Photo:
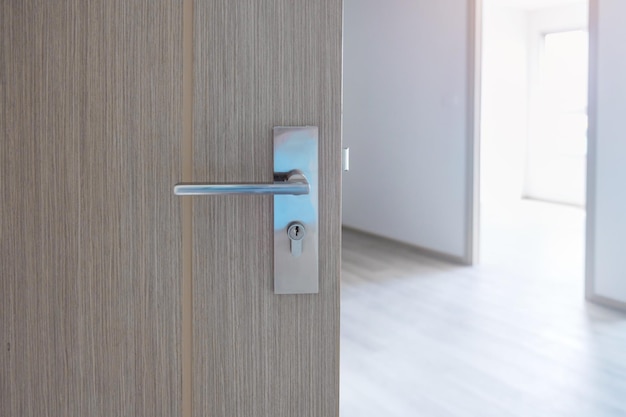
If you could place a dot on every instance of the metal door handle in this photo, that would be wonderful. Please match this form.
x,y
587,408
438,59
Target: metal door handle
x,y
296,196
285,183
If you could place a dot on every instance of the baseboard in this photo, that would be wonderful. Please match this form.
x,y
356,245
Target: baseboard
x,y
442,256
606,302
555,202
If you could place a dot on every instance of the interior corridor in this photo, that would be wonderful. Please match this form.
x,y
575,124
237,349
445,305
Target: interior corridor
x,y
510,337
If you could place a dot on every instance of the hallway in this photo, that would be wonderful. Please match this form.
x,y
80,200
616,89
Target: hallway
x,y
510,337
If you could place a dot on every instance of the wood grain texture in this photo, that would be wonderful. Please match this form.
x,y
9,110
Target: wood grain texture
x,y
259,65
89,228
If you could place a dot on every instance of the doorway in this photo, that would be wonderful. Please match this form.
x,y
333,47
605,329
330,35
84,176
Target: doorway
x,y
422,335
533,133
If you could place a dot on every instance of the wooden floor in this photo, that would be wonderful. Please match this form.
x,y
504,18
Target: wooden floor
x,y
511,337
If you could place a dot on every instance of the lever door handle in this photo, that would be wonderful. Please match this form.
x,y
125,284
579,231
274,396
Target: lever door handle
x,y
296,207
285,183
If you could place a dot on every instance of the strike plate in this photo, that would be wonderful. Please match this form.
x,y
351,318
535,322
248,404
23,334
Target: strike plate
x,y
296,271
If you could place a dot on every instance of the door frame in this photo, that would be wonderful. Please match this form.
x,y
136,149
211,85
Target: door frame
x,y
474,84
590,278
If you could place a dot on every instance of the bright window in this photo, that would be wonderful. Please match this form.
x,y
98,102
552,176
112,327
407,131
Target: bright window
x,y
563,93
557,141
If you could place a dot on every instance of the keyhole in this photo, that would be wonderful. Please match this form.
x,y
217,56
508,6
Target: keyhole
x,y
296,232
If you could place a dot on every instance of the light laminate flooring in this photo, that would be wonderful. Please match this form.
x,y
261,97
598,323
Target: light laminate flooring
x,y
510,337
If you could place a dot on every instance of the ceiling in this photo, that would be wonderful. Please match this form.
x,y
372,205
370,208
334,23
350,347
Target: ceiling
x,y
533,4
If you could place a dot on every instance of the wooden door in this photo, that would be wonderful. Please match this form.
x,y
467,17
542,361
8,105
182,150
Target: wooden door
x,y
259,64
90,241
116,299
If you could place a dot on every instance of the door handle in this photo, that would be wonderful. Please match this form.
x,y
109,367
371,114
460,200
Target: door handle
x,y
285,183
295,191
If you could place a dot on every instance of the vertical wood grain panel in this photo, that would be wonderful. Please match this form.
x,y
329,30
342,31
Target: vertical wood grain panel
x,y
259,65
186,207
89,228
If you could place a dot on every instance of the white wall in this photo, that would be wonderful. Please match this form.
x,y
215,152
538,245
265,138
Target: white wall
x,y
405,120
557,19
606,242
504,98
